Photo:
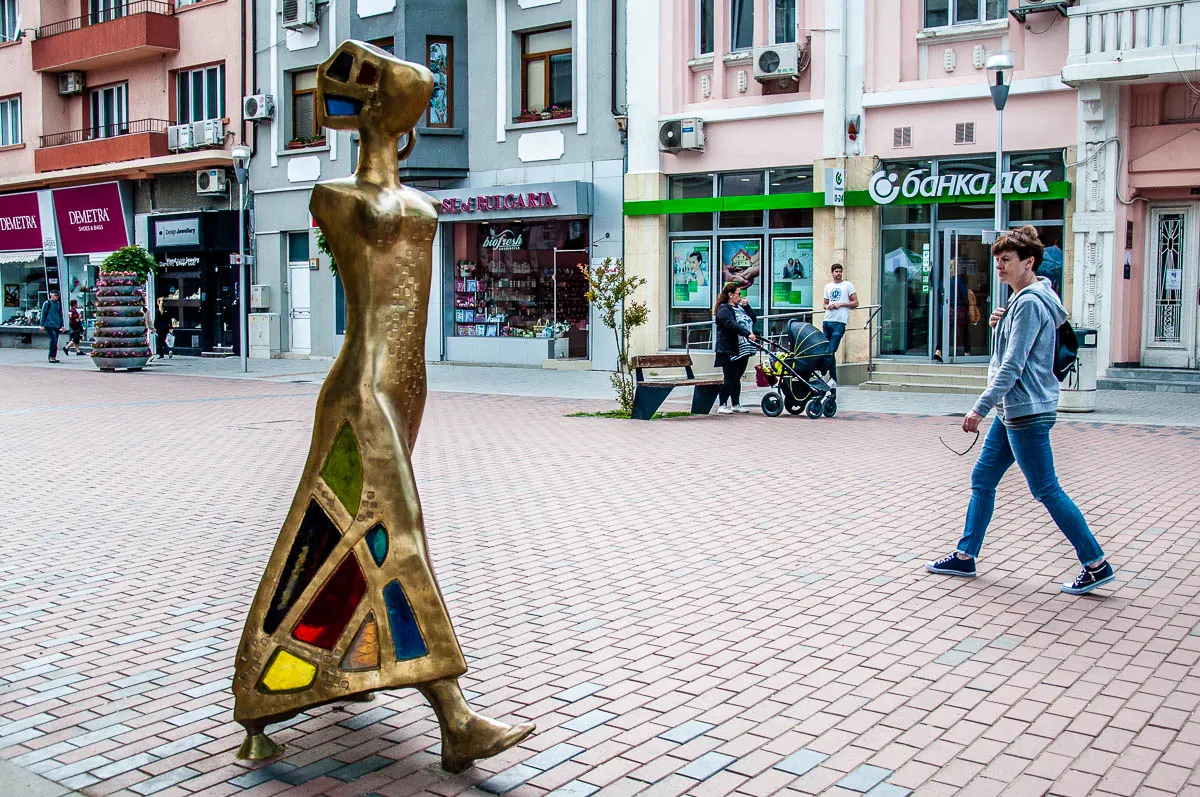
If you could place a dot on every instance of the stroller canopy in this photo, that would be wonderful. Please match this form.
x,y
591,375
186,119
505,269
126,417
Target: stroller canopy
x,y
809,346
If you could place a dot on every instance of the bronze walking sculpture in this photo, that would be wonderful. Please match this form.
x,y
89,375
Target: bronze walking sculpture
x,y
349,604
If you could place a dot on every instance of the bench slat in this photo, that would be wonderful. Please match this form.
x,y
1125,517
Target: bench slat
x,y
678,382
662,361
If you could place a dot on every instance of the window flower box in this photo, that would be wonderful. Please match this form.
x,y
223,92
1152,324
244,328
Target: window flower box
x,y
305,143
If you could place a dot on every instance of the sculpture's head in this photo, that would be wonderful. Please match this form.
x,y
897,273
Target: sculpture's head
x,y
361,86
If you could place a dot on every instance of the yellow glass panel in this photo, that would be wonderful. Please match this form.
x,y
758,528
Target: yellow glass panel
x,y
287,673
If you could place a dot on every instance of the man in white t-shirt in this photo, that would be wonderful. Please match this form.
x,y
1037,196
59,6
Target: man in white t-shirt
x,y
840,299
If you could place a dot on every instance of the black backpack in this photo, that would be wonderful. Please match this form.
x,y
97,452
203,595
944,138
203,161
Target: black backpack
x,y
1066,351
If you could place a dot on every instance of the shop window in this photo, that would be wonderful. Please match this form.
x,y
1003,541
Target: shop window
x,y
110,110
784,22
788,280
388,45
982,209
741,24
509,284
10,121
546,84
790,181
1051,236
737,184
704,27
24,291
439,57
304,119
941,13
904,295
200,94
8,20
691,186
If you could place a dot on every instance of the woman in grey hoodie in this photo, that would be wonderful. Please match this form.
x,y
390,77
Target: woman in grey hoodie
x,y
1023,390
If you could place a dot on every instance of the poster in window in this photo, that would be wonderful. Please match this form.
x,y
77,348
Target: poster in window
x,y
440,64
12,296
792,273
691,285
741,262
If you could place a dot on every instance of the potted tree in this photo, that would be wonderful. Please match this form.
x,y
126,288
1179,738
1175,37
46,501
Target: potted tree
x,y
119,337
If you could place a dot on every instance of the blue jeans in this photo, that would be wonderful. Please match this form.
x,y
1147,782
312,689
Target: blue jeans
x,y
1030,449
52,333
834,330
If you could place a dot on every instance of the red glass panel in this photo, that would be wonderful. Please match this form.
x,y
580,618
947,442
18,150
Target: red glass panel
x,y
326,617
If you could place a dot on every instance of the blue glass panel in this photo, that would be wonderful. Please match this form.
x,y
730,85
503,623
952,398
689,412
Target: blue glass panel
x,y
377,542
342,106
406,637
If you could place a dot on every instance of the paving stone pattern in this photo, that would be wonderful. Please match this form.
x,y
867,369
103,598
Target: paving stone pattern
x,y
682,607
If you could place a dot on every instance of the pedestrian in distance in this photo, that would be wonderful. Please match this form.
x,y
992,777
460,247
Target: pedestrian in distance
x,y
75,327
1023,390
840,299
162,329
52,322
735,336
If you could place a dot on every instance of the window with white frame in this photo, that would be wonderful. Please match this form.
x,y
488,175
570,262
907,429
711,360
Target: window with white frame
x,y
783,23
200,94
8,20
110,111
942,13
10,121
704,27
741,24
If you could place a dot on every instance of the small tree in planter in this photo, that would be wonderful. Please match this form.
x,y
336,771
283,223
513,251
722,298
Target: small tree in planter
x,y
611,290
119,338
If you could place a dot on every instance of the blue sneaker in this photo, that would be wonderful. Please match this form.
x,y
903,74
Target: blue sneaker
x,y
1089,578
952,566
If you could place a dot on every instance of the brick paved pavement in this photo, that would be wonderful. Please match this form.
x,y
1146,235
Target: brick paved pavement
x,y
683,609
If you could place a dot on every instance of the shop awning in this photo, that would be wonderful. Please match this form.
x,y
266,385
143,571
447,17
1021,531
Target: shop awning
x,y
27,256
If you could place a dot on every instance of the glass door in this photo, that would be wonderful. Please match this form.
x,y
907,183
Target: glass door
x,y
1173,290
964,298
110,111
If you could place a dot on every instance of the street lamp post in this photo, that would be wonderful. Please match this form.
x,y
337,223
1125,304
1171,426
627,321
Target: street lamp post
x,y
241,170
1000,63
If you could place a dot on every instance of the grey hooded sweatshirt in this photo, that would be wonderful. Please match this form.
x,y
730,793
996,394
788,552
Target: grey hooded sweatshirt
x,y
1021,378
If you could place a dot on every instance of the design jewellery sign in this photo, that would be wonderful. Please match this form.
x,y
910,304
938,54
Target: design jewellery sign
x,y
538,200
886,187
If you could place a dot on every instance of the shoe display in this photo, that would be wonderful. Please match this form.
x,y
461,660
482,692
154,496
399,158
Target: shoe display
x,y
1089,578
952,565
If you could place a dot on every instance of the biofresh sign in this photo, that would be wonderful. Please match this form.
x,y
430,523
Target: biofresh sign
x,y
886,187
503,241
537,200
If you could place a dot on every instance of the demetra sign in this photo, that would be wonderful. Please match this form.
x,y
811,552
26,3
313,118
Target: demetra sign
x,y
91,219
538,200
886,187
19,225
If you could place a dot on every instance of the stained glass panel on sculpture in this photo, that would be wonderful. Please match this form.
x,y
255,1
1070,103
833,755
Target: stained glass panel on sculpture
x,y
343,469
364,650
315,539
327,616
286,672
377,543
406,636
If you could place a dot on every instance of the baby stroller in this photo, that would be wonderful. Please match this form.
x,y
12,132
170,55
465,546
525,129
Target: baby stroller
x,y
792,372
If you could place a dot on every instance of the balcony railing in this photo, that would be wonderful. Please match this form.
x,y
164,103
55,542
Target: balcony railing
x,y
1115,39
121,11
104,132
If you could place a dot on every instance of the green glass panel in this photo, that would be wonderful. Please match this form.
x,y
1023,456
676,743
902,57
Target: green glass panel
x,y
343,469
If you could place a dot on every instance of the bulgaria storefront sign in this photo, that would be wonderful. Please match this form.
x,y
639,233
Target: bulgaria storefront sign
x,y
91,219
919,186
533,200
20,225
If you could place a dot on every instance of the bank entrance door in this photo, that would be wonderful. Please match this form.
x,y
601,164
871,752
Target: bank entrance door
x,y
964,297
1169,339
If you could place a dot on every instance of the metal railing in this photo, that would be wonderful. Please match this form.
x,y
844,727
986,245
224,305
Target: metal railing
x,y
110,14
1107,28
104,131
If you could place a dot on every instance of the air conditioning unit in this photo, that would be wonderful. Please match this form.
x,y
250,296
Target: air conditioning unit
x,y
208,133
179,137
211,181
680,134
257,107
776,62
70,83
299,13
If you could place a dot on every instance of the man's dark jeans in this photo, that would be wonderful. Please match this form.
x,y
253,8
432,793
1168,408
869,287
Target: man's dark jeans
x,y
52,333
834,330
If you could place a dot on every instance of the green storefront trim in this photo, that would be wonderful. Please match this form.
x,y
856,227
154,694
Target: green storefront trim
x,y
815,199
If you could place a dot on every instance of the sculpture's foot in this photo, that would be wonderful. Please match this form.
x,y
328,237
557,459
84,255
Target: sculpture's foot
x,y
257,746
478,738
466,735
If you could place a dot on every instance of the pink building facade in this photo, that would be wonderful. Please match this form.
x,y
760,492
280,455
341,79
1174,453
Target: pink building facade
x,y
130,108
891,98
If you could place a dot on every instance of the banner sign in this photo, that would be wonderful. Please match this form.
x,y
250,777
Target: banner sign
x,y
177,232
887,187
20,226
91,219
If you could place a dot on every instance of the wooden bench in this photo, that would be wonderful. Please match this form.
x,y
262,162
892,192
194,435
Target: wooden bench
x,y
649,394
